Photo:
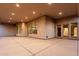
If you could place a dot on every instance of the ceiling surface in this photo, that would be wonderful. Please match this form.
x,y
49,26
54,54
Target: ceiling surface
x,y
40,9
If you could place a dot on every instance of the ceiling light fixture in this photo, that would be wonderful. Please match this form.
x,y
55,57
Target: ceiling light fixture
x,y
10,18
21,20
34,12
9,21
17,5
12,14
26,17
60,13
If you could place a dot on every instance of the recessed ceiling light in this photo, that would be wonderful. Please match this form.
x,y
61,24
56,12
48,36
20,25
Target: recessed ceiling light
x,y
12,13
34,12
60,13
10,18
17,5
9,21
21,20
26,17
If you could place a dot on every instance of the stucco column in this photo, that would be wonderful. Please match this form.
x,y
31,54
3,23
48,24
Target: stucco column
x,y
56,31
62,31
18,30
18,33
24,33
78,30
22,29
70,30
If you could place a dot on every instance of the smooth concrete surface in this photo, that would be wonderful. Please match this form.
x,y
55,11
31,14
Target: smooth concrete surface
x,y
24,46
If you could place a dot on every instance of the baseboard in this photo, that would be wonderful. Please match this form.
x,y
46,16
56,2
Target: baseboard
x,y
36,38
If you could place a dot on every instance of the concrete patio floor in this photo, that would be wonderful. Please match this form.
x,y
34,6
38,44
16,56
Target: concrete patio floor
x,y
24,46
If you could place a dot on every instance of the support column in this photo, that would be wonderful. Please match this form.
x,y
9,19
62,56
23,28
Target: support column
x,y
70,30
18,30
56,31
61,31
78,30
22,29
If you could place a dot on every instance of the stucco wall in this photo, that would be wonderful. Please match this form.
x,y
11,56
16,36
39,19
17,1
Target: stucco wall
x,y
40,23
45,28
50,27
8,30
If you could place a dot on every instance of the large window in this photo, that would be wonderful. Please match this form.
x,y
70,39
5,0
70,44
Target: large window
x,y
74,29
65,30
32,28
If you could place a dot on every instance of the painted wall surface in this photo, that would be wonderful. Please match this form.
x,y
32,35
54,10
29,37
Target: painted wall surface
x,y
40,25
7,30
50,27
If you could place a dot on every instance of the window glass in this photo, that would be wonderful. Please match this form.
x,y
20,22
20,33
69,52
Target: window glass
x,y
65,30
74,29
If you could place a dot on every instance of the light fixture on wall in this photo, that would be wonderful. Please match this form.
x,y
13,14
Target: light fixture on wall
x,y
34,12
17,5
12,14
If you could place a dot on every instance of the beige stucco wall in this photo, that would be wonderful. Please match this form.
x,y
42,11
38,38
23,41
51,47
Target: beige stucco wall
x,y
40,25
50,27
45,28
8,30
